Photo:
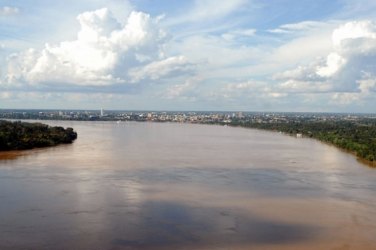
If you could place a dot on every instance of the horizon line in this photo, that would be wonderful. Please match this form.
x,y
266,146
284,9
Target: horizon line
x,y
160,110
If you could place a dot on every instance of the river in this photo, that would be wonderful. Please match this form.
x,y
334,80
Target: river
x,y
185,186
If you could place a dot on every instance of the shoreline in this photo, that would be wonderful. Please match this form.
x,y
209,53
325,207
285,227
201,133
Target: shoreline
x,y
369,163
21,135
364,161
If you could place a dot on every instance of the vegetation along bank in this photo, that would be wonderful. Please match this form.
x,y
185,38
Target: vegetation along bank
x,y
23,135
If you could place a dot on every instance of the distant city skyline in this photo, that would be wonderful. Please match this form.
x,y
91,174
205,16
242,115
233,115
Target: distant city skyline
x,y
240,55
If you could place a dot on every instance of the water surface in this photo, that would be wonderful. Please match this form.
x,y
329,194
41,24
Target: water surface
x,y
183,186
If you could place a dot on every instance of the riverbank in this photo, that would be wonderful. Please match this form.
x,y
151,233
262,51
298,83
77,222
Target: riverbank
x,y
357,136
358,139
23,135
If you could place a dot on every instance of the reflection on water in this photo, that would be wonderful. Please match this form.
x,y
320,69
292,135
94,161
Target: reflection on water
x,y
181,186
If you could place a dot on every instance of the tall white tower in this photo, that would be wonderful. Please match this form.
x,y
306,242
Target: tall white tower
x,y
102,113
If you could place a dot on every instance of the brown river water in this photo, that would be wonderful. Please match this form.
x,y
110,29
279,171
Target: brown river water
x,y
185,186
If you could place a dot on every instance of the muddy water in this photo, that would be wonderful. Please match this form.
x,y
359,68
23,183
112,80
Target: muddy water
x,y
182,186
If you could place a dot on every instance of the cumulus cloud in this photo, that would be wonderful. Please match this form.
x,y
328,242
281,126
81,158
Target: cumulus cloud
x,y
8,11
333,63
349,71
105,52
301,73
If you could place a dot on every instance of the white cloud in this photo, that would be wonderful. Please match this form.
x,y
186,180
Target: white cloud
x,y
8,11
158,69
213,8
239,33
65,100
185,90
297,27
300,73
303,48
209,10
6,95
300,86
104,53
121,51
366,89
345,98
251,89
333,63
353,30
216,52
345,75
348,71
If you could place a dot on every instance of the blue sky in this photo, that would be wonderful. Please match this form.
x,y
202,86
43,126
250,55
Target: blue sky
x,y
278,55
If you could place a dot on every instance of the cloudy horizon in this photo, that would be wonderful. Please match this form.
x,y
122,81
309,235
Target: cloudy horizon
x,y
247,55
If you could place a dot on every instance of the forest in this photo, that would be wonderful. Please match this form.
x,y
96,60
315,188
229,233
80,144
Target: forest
x,y
22,135
358,137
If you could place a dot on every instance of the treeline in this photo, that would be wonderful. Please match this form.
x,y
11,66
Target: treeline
x,y
22,135
356,136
